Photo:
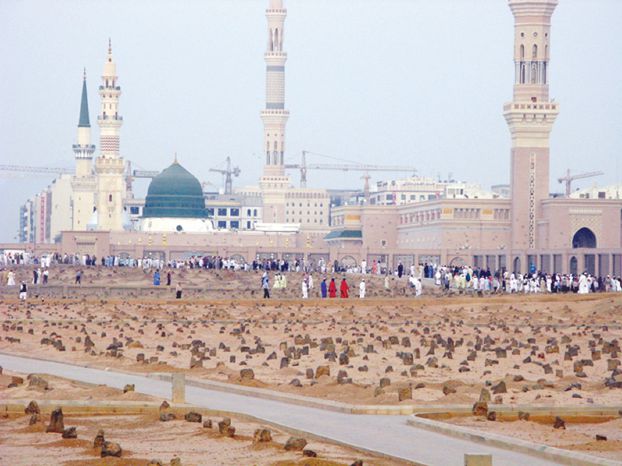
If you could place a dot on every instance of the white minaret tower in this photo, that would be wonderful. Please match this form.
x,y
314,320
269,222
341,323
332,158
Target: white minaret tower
x,y
109,166
274,182
83,183
274,116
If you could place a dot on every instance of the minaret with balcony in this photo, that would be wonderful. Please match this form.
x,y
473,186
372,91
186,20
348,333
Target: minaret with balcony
x,y
530,117
110,166
274,181
83,182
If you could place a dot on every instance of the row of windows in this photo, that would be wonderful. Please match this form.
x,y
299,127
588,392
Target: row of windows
x,y
292,220
231,212
293,204
421,217
234,224
293,212
306,195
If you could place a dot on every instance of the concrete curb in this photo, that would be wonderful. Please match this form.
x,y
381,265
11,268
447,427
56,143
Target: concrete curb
x,y
531,448
329,405
104,407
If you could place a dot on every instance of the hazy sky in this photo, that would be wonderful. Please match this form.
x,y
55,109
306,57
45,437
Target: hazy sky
x,y
415,82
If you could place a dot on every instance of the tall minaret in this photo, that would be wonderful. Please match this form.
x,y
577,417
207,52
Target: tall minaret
x,y
274,116
83,183
109,166
274,183
530,117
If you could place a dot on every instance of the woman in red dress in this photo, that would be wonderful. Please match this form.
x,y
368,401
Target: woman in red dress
x,y
332,289
344,288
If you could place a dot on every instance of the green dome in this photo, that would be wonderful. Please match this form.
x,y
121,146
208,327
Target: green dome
x,y
175,193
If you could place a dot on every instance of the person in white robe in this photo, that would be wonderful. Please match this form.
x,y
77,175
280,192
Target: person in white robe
x,y
418,287
305,289
584,287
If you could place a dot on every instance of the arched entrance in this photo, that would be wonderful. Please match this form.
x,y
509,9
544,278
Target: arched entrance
x,y
348,262
574,266
457,262
239,259
516,267
584,238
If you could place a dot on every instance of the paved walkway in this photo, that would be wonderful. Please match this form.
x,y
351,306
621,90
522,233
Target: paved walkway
x,y
384,434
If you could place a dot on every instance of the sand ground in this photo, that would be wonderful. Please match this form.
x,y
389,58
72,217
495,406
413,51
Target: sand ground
x,y
579,436
548,350
144,437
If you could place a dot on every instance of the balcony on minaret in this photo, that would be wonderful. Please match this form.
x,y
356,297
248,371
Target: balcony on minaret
x,y
110,88
83,148
110,117
530,106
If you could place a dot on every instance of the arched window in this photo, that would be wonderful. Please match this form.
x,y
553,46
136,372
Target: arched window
x,y
534,52
109,197
522,51
522,73
276,40
584,238
271,42
534,73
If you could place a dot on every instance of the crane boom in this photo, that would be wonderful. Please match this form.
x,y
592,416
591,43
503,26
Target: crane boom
x,y
303,166
228,173
568,179
361,168
66,171
40,170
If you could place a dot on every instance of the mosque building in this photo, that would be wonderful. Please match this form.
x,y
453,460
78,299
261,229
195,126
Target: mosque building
x,y
530,230
175,203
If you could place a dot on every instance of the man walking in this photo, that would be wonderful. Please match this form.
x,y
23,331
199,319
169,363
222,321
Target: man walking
x,y
332,289
324,288
265,284
344,288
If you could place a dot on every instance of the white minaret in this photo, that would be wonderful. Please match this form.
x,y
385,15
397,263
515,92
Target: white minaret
x,y
274,116
274,182
83,183
109,166
109,119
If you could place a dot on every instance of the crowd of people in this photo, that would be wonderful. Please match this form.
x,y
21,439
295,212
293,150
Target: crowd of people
x,y
483,281
326,290
450,279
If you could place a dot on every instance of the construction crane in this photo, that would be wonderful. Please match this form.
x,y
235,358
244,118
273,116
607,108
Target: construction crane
x,y
66,171
355,167
36,170
568,179
228,173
